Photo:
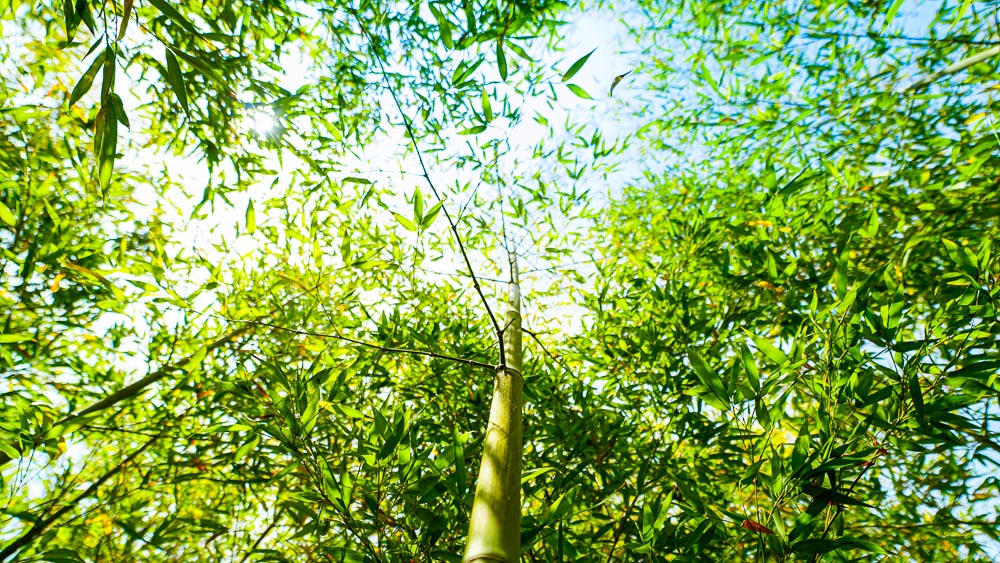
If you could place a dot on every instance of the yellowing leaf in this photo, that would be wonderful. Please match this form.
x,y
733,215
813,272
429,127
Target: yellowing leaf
x,y
251,217
580,92
297,283
54,286
975,117
6,216
615,82
85,271
125,18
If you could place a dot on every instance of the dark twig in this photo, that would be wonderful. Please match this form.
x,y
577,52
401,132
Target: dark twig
x,y
430,183
372,345
43,524
127,392
534,336
256,544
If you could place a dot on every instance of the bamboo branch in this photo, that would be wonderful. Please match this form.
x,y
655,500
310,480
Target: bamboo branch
x,y
65,424
430,183
372,345
952,69
42,525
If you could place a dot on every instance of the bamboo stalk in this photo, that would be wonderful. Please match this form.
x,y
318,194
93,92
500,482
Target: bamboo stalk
x,y
495,522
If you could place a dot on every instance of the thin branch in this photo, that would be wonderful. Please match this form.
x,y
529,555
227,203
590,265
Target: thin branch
x,y
562,364
372,345
256,544
872,35
949,524
430,183
42,525
638,493
127,392
952,69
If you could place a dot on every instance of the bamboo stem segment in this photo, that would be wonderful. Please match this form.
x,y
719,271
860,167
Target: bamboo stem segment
x,y
495,522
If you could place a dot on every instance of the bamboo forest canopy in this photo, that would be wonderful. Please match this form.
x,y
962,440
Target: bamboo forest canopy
x,y
254,259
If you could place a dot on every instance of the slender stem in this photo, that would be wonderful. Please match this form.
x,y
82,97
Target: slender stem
x,y
42,525
372,345
430,183
256,544
127,392
952,69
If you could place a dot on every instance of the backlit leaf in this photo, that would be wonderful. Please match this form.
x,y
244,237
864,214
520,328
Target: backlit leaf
x,y
251,218
576,66
580,92
87,80
176,81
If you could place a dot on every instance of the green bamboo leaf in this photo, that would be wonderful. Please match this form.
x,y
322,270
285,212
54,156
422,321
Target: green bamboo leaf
x,y
7,217
356,180
821,546
708,377
917,395
251,218
108,82
527,476
962,257
429,217
176,81
418,206
458,450
12,338
126,15
769,350
518,51
891,13
575,67
350,412
473,130
87,80
832,495
204,68
83,12
175,16
71,18
60,555
444,26
501,60
10,451
465,70
800,451
120,114
580,92
750,367
105,144
487,108
249,446
563,504
405,222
